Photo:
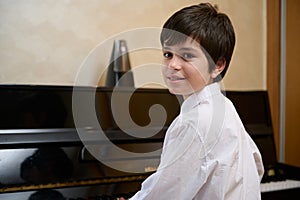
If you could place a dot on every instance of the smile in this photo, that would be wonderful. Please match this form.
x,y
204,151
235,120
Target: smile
x,y
175,78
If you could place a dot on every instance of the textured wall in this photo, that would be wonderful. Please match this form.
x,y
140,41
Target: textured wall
x,y
48,42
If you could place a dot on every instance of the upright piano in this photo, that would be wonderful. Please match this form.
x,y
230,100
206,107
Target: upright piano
x,y
64,142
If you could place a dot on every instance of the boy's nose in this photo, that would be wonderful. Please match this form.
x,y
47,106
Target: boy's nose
x,y
175,63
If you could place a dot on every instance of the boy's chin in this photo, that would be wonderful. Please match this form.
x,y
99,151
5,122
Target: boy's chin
x,y
176,91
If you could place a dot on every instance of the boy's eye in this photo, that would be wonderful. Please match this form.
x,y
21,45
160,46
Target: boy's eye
x,y
187,56
167,54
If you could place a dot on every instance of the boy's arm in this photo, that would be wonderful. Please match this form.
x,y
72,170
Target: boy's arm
x,y
178,175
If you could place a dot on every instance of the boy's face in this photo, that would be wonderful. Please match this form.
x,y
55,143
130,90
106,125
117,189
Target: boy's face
x,y
185,68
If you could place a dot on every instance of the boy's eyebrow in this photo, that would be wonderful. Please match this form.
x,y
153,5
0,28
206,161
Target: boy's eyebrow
x,y
188,49
181,49
165,47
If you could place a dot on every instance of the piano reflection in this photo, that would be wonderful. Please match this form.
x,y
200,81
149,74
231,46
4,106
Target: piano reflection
x,y
58,145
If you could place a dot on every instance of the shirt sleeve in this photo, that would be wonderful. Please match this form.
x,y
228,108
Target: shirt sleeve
x,y
181,172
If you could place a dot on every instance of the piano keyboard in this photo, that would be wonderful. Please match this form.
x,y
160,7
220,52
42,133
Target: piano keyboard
x,y
279,185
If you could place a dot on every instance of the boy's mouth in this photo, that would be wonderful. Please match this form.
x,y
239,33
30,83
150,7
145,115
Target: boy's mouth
x,y
175,78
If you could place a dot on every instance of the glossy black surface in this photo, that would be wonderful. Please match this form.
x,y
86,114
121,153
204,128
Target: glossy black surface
x,y
42,154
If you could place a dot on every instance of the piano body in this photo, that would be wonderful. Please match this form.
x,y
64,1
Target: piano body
x,y
52,144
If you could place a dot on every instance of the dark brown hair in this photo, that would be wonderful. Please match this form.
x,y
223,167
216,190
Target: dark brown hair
x,y
202,22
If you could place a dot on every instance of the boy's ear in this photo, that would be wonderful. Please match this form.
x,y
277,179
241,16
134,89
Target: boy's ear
x,y
219,67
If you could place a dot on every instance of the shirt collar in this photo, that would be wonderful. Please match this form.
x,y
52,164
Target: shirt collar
x,y
200,97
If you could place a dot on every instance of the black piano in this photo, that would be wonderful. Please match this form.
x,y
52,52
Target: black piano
x,y
53,138
64,142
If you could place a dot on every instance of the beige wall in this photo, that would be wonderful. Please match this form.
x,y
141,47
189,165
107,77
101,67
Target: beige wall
x,y
51,42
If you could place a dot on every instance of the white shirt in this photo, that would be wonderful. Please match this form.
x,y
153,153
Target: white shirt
x,y
207,154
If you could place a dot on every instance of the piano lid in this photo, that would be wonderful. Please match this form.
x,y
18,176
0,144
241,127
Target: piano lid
x,y
42,106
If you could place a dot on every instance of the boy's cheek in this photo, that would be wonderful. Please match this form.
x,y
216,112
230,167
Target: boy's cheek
x,y
164,70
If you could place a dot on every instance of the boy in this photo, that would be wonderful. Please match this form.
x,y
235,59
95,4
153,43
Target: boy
x,y
207,153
